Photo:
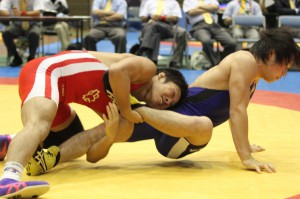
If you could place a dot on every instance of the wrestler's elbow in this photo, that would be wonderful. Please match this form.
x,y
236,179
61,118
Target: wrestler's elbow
x,y
127,55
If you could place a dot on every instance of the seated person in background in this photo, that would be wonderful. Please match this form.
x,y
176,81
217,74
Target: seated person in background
x,y
30,29
109,20
292,7
267,6
160,20
202,15
61,28
242,7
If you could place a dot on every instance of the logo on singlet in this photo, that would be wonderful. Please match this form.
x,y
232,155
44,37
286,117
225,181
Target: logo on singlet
x,y
91,96
112,98
194,150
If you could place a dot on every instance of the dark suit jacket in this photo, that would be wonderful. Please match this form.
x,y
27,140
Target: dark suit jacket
x,y
283,7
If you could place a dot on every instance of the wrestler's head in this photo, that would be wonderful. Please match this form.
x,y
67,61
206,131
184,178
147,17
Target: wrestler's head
x,y
168,87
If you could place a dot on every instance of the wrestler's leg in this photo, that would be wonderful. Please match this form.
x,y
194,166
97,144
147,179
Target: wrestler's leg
x,y
37,116
64,126
175,148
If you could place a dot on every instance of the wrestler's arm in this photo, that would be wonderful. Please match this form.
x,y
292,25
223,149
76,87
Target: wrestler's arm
x,y
122,74
241,77
116,130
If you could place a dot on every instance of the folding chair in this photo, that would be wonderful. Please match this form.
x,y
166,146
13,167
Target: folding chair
x,y
292,21
133,20
247,21
189,38
48,31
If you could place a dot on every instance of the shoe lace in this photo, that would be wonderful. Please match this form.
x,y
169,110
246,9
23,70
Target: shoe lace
x,y
39,158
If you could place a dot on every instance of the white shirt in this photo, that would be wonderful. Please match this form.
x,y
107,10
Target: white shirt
x,y
117,6
170,8
53,6
31,5
233,8
191,4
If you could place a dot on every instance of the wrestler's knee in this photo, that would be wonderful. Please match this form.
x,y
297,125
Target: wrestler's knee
x,y
207,128
38,130
202,131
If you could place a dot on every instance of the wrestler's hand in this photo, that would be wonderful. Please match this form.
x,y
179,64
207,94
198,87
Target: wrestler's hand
x,y
253,164
256,148
155,17
111,121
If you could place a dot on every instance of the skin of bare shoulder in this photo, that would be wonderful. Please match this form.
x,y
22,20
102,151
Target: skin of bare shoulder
x,y
110,58
218,76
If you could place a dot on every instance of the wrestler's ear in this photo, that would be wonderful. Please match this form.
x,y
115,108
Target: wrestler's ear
x,y
271,53
161,75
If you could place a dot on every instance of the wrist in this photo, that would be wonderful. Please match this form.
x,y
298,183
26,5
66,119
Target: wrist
x,y
245,156
125,112
23,13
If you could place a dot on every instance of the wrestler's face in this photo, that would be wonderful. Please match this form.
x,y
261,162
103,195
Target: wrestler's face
x,y
275,70
163,94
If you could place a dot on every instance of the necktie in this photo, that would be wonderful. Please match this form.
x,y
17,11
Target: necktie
x,y
159,7
292,4
242,7
206,15
107,6
23,6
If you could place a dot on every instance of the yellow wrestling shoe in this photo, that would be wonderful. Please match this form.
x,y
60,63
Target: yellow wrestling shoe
x,y
42,161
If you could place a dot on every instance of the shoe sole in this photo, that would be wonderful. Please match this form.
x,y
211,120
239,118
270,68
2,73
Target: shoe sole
x,y
29,192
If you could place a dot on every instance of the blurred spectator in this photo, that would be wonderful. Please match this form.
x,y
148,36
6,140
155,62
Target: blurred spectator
x,y
242,7
289,7
160,20
60,7
202,15
269,11
267,6
109,21
30,29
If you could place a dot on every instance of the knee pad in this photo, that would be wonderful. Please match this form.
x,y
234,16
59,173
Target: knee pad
x,y
175,148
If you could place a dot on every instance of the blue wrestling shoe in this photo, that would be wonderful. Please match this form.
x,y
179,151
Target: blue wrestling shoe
x,y
14,189
4,142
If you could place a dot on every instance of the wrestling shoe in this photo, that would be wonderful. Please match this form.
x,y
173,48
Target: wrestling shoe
x,y
42,161
4,142
16,189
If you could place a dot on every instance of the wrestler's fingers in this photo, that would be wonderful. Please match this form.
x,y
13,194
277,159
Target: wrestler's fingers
x,y
105,119
257,168
114,110
269,168
109,111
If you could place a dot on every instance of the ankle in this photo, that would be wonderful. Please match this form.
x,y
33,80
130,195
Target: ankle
x,y
13,170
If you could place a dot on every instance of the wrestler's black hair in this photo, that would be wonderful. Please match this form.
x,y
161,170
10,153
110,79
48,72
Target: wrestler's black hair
x,y
281,41
297,60
175,76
